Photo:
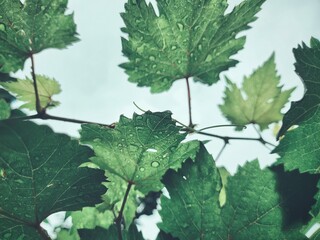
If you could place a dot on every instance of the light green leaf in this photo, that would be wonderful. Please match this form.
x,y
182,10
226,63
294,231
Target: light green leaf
x,y
90,217
40,176
4,109
139,150
68,234
103,215
253,209
260,99
30,27
300,149
24,91
111,233
188,39
308,68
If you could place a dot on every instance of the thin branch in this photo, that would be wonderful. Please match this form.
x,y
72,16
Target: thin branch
x,y
45,116
120,215
34,78
221,151
223,125
189,103
44,235
142,110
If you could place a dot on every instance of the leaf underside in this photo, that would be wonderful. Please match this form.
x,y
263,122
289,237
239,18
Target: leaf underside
x,y
260,99
308,68
41,176
253,209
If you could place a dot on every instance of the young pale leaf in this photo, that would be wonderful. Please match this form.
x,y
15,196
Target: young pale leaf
x,y
30,27
188,39
300,149
4,109
24,91
40,176
260,99
253,209
103,215
139,150
111,233
308,68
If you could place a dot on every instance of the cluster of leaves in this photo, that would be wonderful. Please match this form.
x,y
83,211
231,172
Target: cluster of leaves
x,y
42,172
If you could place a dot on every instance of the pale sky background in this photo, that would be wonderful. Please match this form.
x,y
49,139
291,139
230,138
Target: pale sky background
x,y
96,89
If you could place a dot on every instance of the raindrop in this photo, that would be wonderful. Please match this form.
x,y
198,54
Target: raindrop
x,y
139,117
154,66
152,150
119,145
174,47
208,58
142,169
97,140
180,26
155,164
200,47
152,58
179,61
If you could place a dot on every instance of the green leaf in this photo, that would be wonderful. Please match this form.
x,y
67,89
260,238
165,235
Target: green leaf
x,y
165,236
103,215
300,149
139,150
308,68
187,39
111,233
253,209
90,217
312,229
260,99
24,91
40,176
30,27
68,234
4,109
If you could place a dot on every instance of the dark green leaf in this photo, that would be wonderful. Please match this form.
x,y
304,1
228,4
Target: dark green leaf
x,y
111,233
139,150
260,99
188,39
4,109
30,27
165,236
253,209
308,68
300,149
41,176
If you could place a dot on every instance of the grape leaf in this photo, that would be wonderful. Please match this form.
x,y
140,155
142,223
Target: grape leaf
x,y
300,149
311,230
103,215
24,91
165,236
111,233
260,99
41,176
139,150
4,109
187,39
30,27
252,211
90,217
308,68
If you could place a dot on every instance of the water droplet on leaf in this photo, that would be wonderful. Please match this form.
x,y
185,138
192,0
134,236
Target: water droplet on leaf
x,y
142,169
155,164
152,58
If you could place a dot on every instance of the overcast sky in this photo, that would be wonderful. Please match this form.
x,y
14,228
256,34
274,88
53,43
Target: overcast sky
x,y
96,89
